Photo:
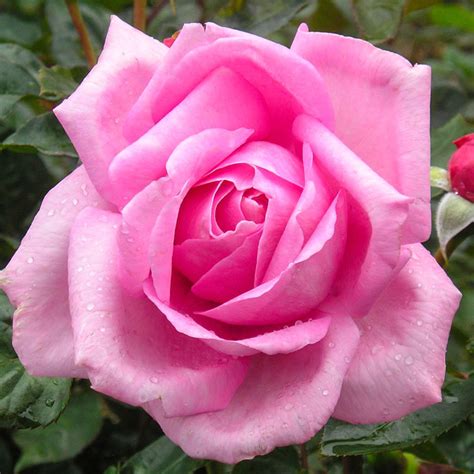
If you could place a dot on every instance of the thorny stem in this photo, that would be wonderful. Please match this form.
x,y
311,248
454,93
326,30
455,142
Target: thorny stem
x,y
139,17
81,29
157,7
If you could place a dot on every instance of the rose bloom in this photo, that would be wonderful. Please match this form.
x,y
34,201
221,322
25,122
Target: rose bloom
x,y
461,167
239,253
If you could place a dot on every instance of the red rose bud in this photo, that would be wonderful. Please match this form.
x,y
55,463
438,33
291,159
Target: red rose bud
x,y
461,167
169,41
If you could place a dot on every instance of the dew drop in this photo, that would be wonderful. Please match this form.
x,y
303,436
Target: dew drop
x,y
347,360
331,345
102,329
51,212
75,201
419,285
398,357
154,379
297,323
80,269
386,411
84,189
49,402
30,260
288,406
409,360
419,323
90,306
410,271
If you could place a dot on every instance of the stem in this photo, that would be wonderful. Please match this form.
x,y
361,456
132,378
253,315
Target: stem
x,y
139,17
440,258
352,464
304,458
81,29
157,7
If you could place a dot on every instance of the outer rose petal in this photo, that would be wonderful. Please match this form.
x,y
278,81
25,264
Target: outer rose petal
x,y
127,346
277,405
289,84
93,115
399,366
36,280
382,111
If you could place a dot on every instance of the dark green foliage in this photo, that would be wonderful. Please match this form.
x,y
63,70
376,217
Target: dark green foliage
x,y
41,63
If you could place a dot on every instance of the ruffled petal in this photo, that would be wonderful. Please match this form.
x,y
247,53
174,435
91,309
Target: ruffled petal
x,y
275,406
223,99
93,115
399,366
382,113
289,84
126,345
377,214
301,287
35,280
203,150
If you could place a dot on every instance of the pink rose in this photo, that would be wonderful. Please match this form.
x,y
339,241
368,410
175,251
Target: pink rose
x,y
239,252
461,167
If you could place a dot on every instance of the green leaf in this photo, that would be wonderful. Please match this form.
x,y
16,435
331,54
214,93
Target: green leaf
x,y
27,401
14,30
454,214
42,134
455,16
56,82
439,178
281,460
161,457
260,17
378,20
76,428
442,146
343,439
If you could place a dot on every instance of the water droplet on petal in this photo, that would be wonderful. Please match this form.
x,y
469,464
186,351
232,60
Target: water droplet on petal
x,y
75,201
30,260
51,212
297,323
325,393
288,406
347,360
49,402
90,306
331,345
419,323
398,357
154,379
409,360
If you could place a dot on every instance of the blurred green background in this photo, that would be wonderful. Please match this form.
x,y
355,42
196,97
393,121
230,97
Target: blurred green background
x,y
41,62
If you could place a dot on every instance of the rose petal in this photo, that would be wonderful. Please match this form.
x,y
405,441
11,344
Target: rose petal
x,y
382,112
230,340
275,406
399,366
377,215
223,99
126,345
35,280
232,275
93,115
140,214
310,208
194,257
289,84
301,287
